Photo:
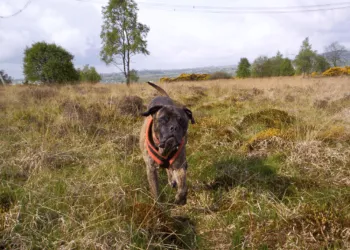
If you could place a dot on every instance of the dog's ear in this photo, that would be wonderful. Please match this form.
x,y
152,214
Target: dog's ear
x,y
189,114
152,110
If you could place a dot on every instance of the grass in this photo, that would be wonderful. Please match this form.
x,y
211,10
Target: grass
x,y
269,167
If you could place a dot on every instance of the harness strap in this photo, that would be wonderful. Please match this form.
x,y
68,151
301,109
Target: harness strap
x,y
163,161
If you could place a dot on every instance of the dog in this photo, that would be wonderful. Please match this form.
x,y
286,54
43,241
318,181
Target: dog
x,y
163,138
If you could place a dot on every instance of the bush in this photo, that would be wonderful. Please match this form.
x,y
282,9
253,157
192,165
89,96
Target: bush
x,y
220,75
286,68
89,74
186,77
134,76
49,63
337,71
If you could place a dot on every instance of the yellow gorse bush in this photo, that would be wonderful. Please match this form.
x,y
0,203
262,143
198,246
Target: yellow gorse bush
x,y
186,77
337,71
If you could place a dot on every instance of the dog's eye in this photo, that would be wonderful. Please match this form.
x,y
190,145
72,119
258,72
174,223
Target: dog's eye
x,y
164,119
181,121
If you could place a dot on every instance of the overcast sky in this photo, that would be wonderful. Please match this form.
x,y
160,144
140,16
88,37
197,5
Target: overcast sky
x,y
177,39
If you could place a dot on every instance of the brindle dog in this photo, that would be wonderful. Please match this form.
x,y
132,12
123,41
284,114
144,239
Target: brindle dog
x,y
162,140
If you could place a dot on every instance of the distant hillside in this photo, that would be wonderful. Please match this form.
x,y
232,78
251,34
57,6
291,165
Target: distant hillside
x,y
155,75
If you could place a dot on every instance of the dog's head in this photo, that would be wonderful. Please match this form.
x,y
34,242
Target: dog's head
x,y
170,125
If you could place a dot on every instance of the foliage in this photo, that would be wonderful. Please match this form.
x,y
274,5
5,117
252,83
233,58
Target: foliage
x,y
186,77
321,64
134,77
220,75
89,74
122,35
243,70
335,54
274,66
304,61
286,68
337,71
7,79
49,64
261,67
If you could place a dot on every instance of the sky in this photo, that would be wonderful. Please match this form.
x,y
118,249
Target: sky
x,y
178,38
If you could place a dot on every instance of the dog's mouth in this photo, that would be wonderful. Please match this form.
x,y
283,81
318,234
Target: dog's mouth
x,y
168,146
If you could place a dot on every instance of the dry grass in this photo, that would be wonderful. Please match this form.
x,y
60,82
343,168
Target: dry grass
x,y
269,167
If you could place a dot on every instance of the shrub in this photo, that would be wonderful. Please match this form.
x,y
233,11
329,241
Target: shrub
x,y
134,77
286,68
49,63
186,77
89,74
131,105
337,71
220,75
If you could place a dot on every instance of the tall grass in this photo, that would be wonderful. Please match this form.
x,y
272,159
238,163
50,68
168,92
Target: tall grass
x,y
72,176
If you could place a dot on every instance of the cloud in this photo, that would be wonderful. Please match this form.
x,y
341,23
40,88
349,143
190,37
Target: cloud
x,y
177,39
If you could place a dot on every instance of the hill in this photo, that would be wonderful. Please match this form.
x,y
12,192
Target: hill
x,y
155,75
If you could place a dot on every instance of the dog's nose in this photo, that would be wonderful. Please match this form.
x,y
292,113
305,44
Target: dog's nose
x,y
173,128
173,184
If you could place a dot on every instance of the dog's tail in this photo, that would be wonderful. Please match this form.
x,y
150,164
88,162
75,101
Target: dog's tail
x,y
160,90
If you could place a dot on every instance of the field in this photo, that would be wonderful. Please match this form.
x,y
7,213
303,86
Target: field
x,y
269,167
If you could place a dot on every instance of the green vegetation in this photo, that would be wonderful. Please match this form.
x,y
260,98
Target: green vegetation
x,y
220,75
263,174
122,35
243,70
134,77
89,74
286,68
49,64
304,60
274,66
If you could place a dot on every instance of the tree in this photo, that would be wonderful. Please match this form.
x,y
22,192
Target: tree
x,y
243,70
122,35
49,64
261,67
5,77
335,54
286,68
275,63
17,12
306,57
89,74
321,64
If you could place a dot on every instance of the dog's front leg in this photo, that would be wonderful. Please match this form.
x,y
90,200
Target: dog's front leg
x,y
152,176
180,177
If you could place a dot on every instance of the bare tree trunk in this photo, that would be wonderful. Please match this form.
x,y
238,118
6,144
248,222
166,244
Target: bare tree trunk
x,y
128,68
2,80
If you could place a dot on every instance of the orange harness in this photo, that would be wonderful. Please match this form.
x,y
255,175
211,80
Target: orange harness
x,y
152,149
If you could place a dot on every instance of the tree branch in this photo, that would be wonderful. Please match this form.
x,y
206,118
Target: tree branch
x,y
18,12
